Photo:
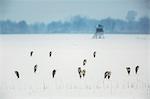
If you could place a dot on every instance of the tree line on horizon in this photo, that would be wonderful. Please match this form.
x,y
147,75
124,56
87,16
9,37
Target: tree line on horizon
x,y
80,24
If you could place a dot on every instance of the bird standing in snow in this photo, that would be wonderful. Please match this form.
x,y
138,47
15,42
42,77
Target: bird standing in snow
x,y
35,68
31,53
17,73
107,74
84,62
136,69
50,53
53,73
94,54
128,70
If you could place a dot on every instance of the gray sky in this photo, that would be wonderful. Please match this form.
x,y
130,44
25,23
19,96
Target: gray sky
x,y
49,10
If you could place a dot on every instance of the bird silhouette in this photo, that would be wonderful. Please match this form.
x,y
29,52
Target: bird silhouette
x,y
128,70
50,53
136,69
107,74
35,68
53,73
17,73
84,62
80,71
83,72
31,53
94,54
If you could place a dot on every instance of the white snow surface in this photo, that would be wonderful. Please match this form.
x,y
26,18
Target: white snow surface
x,y
113,53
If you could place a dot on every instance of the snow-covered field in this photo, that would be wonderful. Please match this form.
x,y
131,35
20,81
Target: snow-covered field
x,y
114,53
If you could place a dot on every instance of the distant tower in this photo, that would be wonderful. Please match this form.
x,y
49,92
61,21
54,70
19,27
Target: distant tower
x,y
99,32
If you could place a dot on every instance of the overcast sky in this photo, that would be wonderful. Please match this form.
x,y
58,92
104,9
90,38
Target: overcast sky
x,y
49,10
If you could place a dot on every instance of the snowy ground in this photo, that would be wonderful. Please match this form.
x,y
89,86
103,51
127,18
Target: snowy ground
x,y
113,53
